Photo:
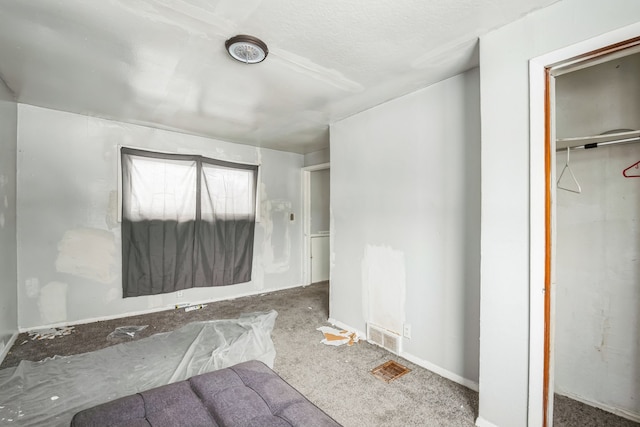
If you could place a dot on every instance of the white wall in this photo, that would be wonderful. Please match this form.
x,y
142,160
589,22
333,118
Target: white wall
x,y
317,157
597,296
8,277
504,57
405,204
320,193
69,253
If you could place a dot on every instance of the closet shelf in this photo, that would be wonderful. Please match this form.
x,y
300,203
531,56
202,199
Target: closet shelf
x,y
609,138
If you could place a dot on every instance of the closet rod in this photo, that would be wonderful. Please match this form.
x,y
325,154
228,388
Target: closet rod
x,y
601,144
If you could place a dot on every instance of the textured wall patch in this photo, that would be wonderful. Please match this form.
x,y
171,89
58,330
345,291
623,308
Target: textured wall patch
x,y
32,287
383,287
88,253
53,302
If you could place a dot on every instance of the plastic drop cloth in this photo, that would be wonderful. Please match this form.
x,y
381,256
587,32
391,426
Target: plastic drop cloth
x,y
50,392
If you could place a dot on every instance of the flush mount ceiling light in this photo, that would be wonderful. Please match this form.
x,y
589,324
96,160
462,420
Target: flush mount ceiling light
x,y
247,49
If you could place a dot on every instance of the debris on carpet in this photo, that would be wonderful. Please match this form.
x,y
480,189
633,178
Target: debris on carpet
x,y
190,307
125,332
337,337
195,307
51,333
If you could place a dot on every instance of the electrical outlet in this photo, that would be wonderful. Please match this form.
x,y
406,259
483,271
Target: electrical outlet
x,y
407,330
179,294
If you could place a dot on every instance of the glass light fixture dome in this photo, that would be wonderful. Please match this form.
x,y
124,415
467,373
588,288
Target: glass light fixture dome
x,y
247,49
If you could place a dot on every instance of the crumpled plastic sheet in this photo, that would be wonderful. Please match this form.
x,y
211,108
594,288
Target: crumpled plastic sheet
x,y
50,392
125,332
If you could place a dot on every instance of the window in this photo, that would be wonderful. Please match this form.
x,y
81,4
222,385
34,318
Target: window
x,y
187,221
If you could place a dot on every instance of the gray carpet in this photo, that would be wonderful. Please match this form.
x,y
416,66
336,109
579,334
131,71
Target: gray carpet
x,y
337,379
569,413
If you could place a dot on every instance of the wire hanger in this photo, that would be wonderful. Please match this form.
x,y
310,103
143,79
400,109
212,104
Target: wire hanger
x,y
632,174
575,188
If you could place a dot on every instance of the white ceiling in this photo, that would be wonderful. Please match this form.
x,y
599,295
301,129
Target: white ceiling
x,y
162,63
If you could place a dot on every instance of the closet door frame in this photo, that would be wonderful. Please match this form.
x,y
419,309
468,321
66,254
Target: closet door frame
x,y
542,206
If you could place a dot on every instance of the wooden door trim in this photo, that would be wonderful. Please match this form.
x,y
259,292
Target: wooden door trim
x,y
548,216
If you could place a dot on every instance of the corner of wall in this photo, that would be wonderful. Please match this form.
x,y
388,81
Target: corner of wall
x,y
481,422
317,157
6,94
6,344
8,218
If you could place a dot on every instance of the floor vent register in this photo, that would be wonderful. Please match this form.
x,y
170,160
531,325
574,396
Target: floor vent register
x,y
390,371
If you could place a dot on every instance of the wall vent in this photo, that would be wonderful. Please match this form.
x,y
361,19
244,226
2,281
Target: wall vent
x,y
384,338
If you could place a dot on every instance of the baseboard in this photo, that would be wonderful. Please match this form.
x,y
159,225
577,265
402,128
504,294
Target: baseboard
x,y
156,309
7,347
617,411
481,422
441,371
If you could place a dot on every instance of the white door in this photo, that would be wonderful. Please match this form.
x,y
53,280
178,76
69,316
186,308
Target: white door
x,y
319,258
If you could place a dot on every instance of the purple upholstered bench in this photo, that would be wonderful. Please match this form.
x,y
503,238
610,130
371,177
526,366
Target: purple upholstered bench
x,y
248,394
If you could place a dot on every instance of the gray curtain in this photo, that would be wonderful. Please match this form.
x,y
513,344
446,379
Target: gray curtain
x,y
187,221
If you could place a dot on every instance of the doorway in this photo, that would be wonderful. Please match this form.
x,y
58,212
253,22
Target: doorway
x,y
586,304
316,184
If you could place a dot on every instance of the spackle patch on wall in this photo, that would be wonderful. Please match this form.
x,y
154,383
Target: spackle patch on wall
x,y
276,247
114,294
112,213
88,253
32,287
383,287
53,302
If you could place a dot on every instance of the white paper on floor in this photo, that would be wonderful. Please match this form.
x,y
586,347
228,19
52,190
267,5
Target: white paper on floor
x,y
49,392
336,337
51,333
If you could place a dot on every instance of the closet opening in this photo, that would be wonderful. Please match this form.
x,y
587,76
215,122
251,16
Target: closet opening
x,y
591,294
316,189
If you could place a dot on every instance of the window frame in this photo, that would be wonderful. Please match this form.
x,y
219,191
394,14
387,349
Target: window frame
x,y
119,148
